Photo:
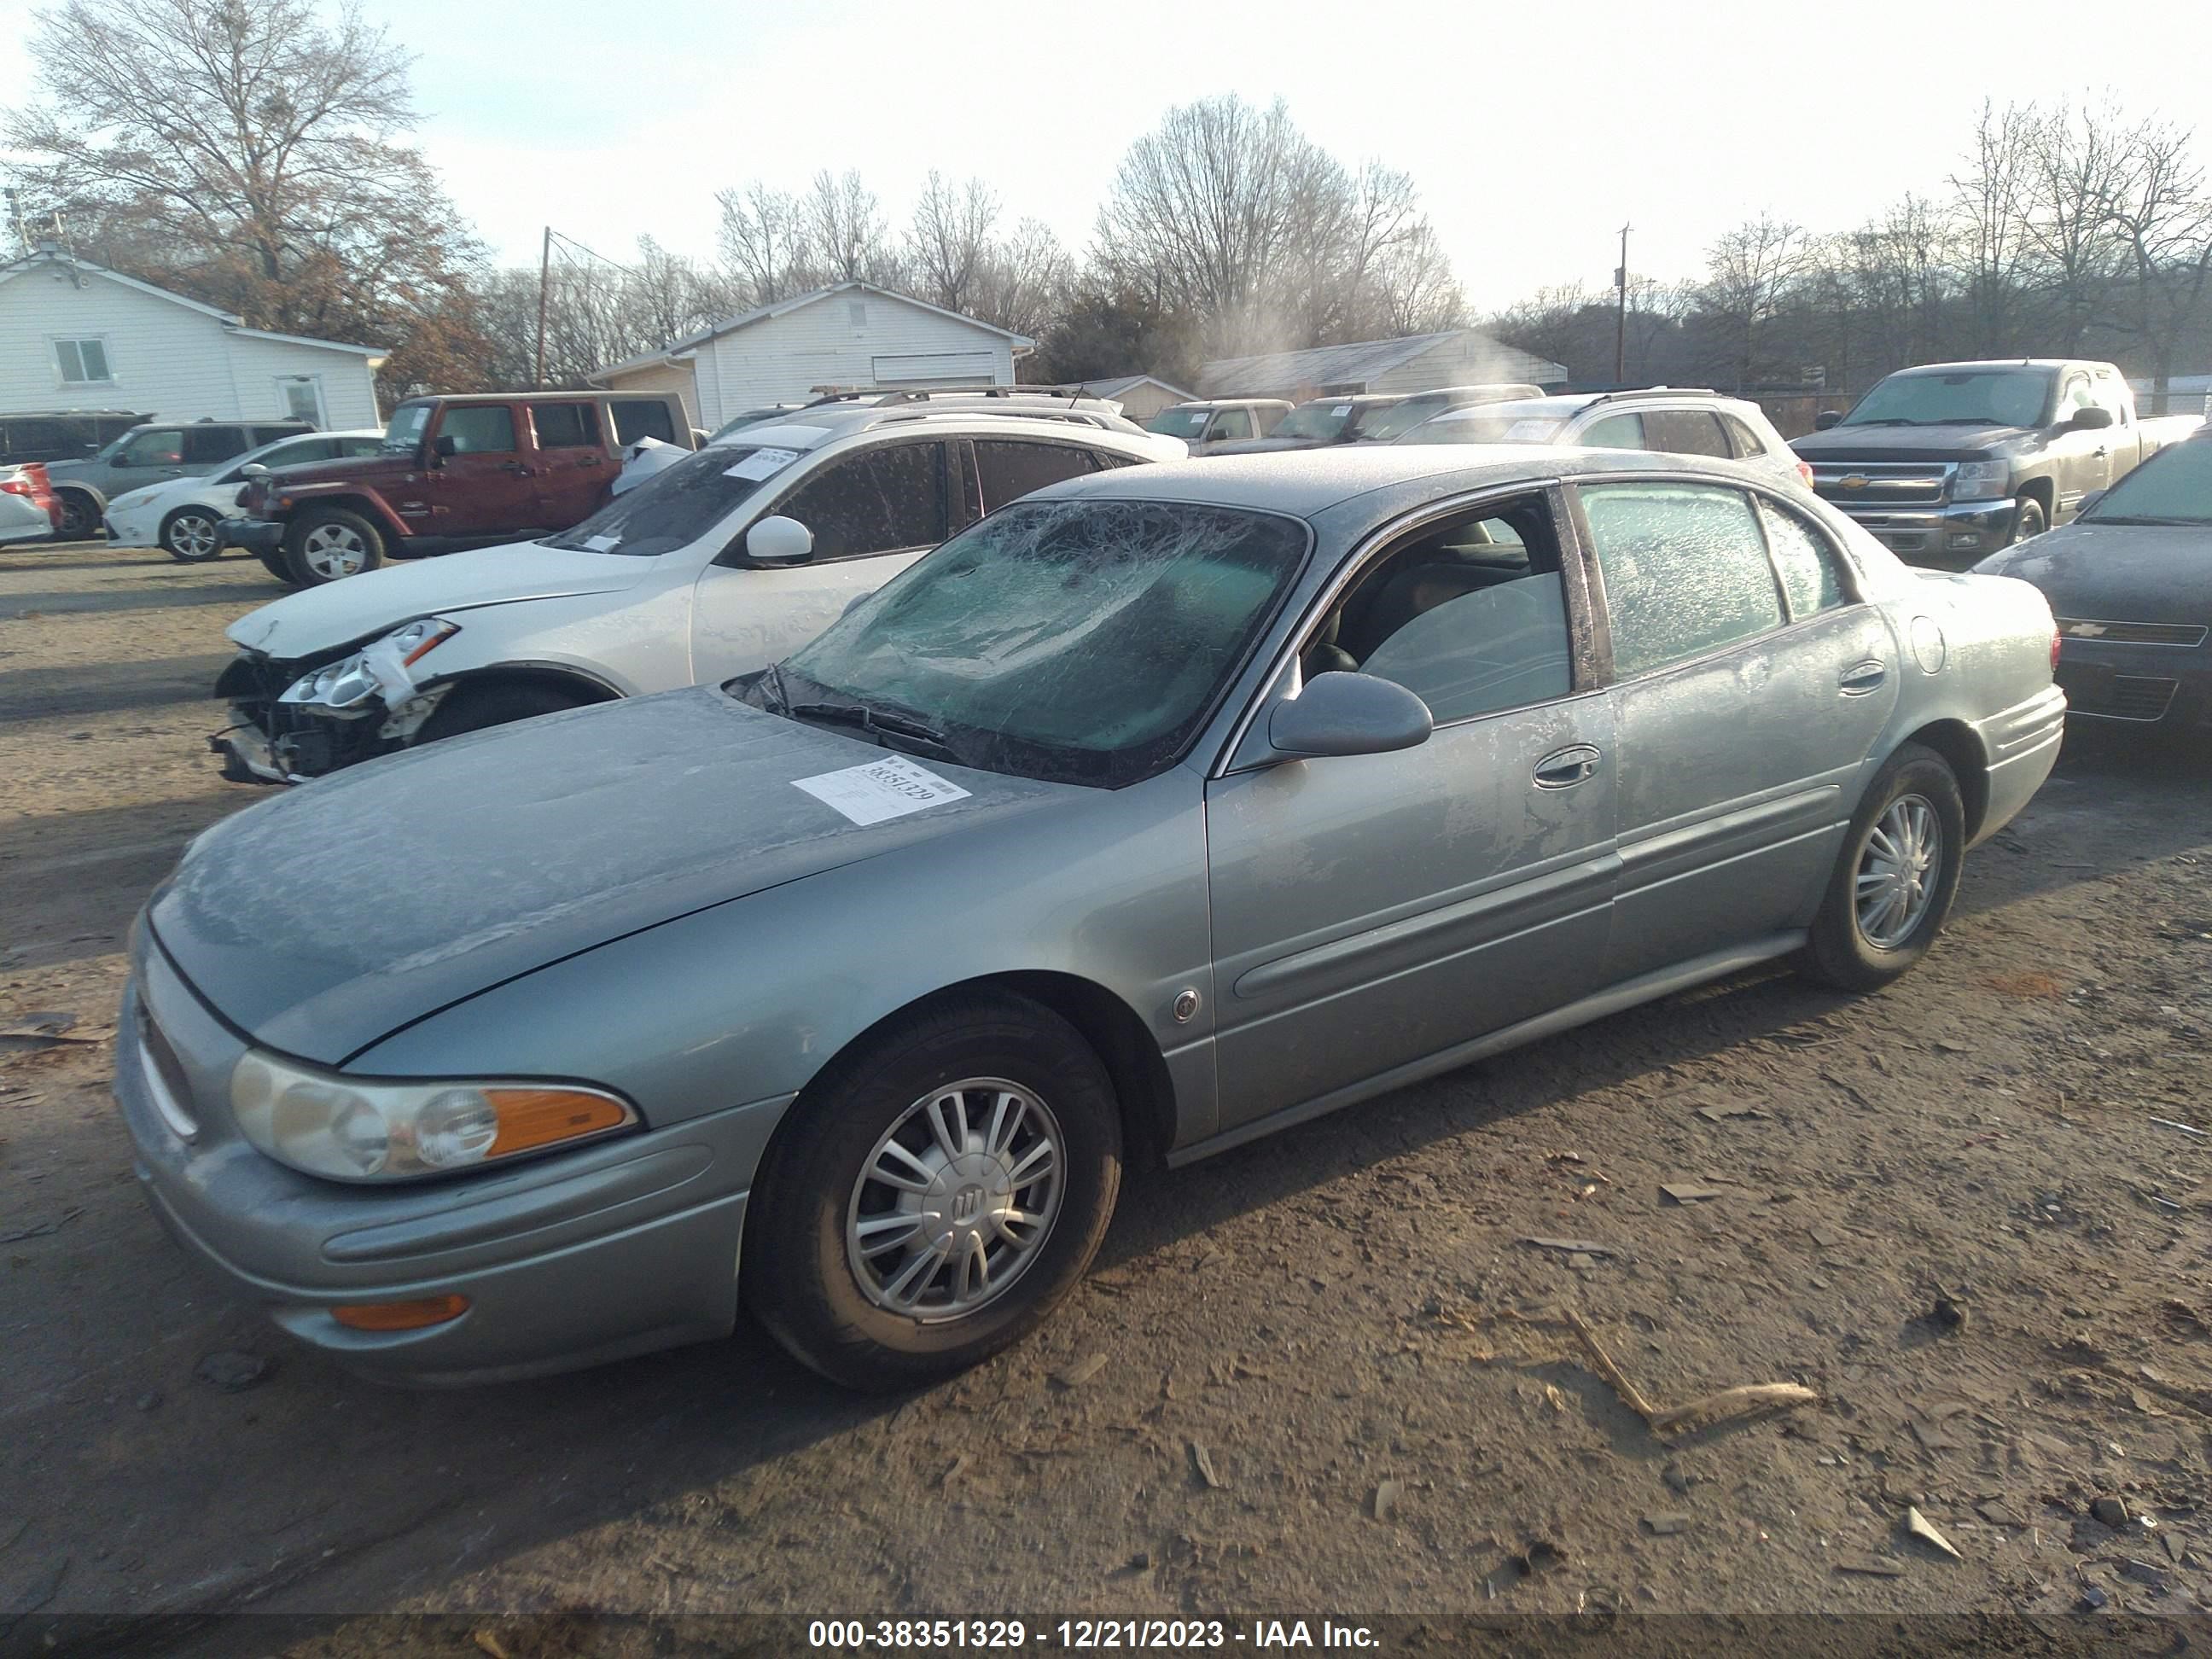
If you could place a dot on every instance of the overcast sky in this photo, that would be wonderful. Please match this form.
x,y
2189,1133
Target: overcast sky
x,y
1533,130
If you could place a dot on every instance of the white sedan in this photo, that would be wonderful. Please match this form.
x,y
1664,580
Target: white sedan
x,y
184,517
716,567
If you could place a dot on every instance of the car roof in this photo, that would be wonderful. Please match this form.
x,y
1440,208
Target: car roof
x,y
1307,483
1986,365
815,425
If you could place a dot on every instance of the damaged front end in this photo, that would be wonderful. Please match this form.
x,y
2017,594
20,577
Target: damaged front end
x,y
293,720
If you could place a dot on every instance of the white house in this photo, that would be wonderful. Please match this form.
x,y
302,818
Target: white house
x,y
1141,396
852,334
74,335
1418,363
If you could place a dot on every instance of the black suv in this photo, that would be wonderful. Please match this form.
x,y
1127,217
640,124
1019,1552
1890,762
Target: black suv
x,y
68,434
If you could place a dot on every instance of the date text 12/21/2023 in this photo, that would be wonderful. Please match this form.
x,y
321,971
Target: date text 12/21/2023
x,y
1082,1635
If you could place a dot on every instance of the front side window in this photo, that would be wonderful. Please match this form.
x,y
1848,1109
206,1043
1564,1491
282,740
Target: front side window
x,y
478,429
1685,568
1810,573
82,362
1616,432
1685,432
1232,423
877,501
205,446
1471,618
159,446
1082,641
1013,467
566,425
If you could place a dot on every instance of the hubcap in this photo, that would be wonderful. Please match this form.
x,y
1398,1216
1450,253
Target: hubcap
x,y
192,536
331,551
1896,878
954,1202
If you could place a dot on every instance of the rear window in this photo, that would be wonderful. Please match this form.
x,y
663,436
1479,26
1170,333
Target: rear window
x,y
641,417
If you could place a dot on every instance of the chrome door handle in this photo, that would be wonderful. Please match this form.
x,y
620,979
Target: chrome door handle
x,y
1861,678
1565,767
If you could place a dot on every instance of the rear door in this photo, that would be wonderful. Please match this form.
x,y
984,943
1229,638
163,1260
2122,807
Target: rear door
x,y
487,485
572,469
1750,684
873,512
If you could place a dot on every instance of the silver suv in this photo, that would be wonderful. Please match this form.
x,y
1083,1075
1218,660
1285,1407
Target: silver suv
x,y
1672,420
152,453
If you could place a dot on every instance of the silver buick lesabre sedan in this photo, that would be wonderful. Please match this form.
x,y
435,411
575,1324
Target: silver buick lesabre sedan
x,y
1158,810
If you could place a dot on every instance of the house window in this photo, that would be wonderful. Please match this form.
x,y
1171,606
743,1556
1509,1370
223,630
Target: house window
x,y
857,312
303,397
82,361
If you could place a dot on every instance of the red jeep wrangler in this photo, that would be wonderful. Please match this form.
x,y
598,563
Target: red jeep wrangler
x,y
465,470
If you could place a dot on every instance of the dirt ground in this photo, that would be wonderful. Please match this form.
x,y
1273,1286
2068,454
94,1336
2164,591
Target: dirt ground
x,y
1287,1385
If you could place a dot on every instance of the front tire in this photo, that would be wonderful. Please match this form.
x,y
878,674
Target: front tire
x,y
328,545
473,708
934,1193
2028,518
192,535
1896,878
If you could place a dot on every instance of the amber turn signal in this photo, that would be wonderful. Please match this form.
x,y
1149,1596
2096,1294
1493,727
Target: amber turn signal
x,y
538,1117
402,1315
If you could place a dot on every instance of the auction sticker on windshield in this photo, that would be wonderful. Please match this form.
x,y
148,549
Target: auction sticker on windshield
x,y
888,789
761,463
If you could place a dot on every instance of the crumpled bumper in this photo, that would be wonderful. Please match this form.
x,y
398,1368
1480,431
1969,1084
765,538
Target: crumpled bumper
x,y
275,739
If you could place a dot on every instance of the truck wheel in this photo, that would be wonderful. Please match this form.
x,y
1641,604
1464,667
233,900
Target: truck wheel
x,y
80,519
1896,878
328,543
2028,518
474,707
934,1193
274,563
192,535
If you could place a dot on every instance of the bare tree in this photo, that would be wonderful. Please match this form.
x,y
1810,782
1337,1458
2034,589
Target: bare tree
x,y
1749,272
949,239
1988,207
844,228
2158,212
2074,158
764,244
1022,281
1415,291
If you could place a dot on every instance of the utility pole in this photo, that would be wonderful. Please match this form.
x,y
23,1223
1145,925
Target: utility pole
x,y
545,277
1620,311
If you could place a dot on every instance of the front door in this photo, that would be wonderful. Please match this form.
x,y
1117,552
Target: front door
x,y
481,481
1751,686
572,469
1371,911
873,512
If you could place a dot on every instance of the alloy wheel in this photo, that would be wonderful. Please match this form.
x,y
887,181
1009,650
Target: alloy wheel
x,y
1895,882
332,550
193,537
953,1204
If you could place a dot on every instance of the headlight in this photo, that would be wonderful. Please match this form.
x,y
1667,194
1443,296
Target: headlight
x,y
1982,481
324,1124
341,685
420,638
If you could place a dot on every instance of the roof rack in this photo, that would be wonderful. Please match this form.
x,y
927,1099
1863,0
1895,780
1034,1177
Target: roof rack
x,y
1646,390
830,394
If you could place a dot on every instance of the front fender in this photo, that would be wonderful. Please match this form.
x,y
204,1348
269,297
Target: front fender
x,y
354,498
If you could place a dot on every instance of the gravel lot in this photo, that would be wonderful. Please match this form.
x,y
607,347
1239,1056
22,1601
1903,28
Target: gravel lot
x,y
1287,1385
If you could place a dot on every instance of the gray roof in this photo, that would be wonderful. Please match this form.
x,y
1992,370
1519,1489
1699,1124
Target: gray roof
x,y
1115,388
1357,364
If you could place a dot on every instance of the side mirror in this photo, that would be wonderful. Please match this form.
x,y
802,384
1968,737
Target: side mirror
x,y
1827,418
444,447
253,470
2091,418
777,540
2088,502
1342,714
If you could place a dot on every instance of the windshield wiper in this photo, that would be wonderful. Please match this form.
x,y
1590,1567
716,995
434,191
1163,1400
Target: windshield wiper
x,y
878,726
1887,420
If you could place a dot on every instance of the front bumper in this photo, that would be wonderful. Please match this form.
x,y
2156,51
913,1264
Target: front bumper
x,y
1950,537
259,537
278,741
617,1249
2127,684
129,528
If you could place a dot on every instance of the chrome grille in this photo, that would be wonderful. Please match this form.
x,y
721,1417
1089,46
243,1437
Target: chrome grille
x,y
1883,483
2186,635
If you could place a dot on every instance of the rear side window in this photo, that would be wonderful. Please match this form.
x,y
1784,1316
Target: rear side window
x,y
1012,468
270,434
1746,442
1685,432
640,417
479,428
1686,571
1805,562
566,425
206,445
1617,431
877,501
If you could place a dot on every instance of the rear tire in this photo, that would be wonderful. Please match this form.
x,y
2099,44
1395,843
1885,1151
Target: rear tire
x,y
192,535
80,520
329,543
474,707
1895,878
829,1265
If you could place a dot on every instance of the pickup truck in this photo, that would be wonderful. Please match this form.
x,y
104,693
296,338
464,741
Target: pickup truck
x,y
454,472
1946,463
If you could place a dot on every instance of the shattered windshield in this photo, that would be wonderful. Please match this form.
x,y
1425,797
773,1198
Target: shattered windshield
x,y
404,430
1179,422
2012,397
1084,642
677,505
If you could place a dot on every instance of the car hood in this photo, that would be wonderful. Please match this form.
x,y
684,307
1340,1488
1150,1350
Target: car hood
x,y
1908,443
326,919
323,619
2116,573
345,469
